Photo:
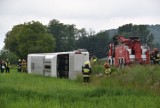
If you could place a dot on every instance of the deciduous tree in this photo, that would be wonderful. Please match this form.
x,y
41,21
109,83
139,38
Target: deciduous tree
x,y
31,37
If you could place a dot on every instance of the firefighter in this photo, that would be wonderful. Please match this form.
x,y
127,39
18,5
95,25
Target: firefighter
x,y
7,64
155,56
107,68
24,65
3,66
86,71
152,57
19,66
94,59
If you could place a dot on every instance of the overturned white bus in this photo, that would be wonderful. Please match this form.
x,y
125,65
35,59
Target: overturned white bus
x,y
61,64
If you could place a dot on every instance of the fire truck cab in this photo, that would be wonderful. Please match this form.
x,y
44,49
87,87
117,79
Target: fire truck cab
x,y
128,51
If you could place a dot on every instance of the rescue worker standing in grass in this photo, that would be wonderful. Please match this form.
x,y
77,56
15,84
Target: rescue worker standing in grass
x,y
86,70
94,59
24,65
19,66
7,64
2,66
107,68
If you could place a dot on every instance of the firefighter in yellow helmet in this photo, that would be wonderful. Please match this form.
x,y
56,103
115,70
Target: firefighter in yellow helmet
x,y
107,68
86,71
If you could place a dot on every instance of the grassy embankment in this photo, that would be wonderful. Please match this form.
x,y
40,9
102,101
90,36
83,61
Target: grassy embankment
x,y
132,87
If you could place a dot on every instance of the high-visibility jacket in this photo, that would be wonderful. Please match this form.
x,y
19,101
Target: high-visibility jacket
x,y
86,71
7,64
107,70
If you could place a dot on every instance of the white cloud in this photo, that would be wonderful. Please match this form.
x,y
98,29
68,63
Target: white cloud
x,y
95,14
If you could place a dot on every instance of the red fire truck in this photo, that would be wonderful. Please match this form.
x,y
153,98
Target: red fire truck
x,y
127,51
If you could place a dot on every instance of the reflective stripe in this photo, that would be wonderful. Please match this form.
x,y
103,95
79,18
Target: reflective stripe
x,y
86,75
86,70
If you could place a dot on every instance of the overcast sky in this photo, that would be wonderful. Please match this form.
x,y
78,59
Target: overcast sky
x,y
90,14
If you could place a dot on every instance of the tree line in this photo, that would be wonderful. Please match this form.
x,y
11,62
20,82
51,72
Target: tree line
x,y
34,37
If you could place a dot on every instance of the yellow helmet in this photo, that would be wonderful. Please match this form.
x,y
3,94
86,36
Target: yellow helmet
x,y
87,62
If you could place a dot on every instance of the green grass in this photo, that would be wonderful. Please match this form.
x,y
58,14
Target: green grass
x,y
132,87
